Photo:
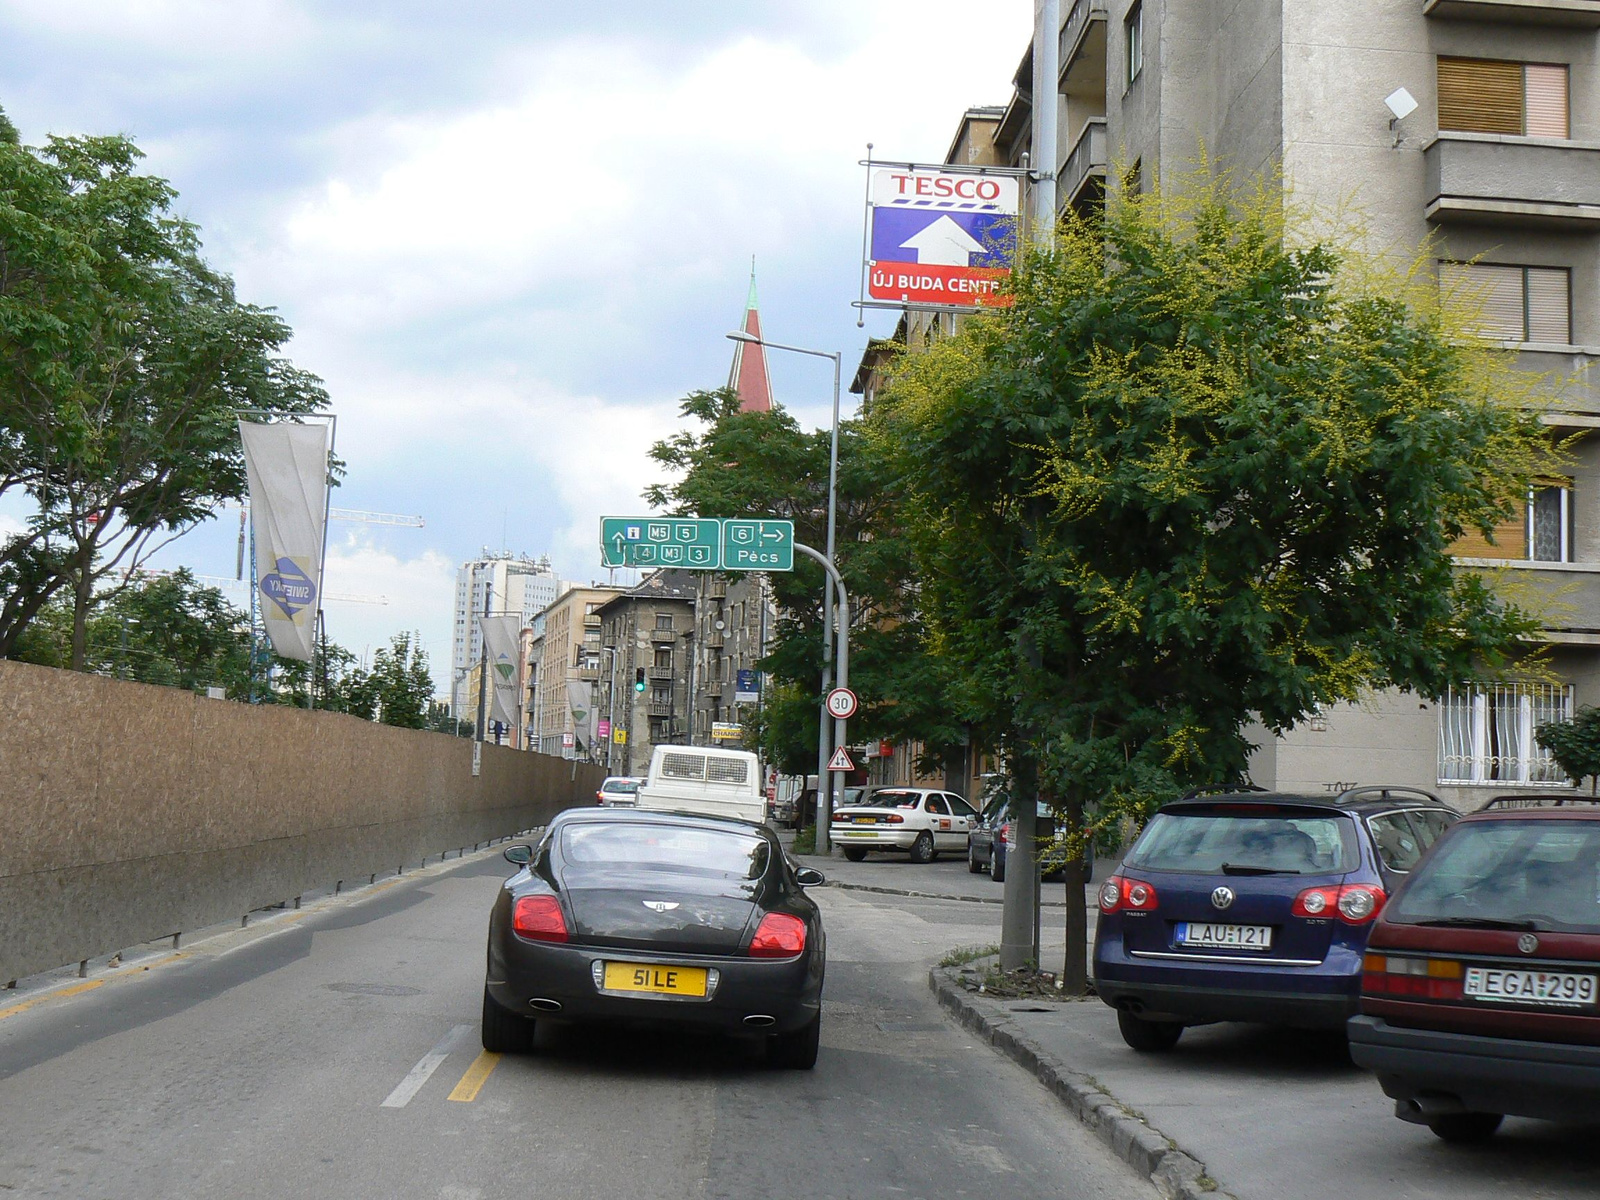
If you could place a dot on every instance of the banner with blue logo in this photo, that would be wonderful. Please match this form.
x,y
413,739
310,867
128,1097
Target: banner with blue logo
x,y
287,467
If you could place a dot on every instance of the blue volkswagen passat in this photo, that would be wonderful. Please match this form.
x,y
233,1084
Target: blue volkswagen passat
x,y
1253,907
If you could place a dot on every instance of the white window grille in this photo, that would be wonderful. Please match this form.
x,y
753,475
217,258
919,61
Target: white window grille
x,y
1486,734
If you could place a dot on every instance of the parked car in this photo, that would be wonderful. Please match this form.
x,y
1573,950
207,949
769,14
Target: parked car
x,y
1481,991
917,821
806,805
1254,907
991,836
619,791
626,916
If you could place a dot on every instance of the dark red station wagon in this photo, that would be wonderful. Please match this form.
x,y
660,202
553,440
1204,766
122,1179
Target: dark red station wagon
x,y
1480,992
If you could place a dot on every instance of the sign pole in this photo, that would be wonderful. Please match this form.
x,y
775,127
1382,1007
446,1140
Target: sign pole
x,y
824,778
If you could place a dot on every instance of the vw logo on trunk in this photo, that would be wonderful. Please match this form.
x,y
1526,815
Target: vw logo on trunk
x,y
660,906
1527,943
1222,897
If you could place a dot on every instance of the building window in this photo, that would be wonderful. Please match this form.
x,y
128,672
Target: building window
x,y
1133,31
1550,521
1519,304
1485,95
663,657
1486,733
664,621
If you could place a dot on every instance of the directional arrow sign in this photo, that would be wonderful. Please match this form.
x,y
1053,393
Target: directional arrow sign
x,y
692,542
841,761
757,545
943,243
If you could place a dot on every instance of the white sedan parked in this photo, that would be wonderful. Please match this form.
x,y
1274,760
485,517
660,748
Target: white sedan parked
x,y
921,821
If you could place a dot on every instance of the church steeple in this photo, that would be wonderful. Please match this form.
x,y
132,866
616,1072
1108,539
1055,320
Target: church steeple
x,y
749,375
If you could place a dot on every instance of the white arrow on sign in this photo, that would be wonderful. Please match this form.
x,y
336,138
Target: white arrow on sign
x,y
943,244
840,761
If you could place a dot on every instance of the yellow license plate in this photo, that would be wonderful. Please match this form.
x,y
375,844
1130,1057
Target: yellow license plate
x,y
655,978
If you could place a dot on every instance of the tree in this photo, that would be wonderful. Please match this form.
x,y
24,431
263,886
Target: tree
x,y
124,359
762,464
1575,745
1207,468
400,684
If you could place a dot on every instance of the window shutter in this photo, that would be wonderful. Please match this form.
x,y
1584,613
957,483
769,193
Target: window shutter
x,y
1549,305
1478,95
1495,289
1510,540
1547,101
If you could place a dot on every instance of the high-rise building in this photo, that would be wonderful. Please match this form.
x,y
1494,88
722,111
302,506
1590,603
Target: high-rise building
x,y
497,583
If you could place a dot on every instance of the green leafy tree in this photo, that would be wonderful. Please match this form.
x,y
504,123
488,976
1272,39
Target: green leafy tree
x,y
1575,745
400,684
1204,470
123,361
762,464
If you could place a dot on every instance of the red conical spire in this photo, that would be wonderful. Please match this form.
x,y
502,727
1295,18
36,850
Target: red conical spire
x,y
749,374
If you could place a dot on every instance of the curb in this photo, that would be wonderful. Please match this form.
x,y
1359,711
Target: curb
x,y
889,891
1176,1174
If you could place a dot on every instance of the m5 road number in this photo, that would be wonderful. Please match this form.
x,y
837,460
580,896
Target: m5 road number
x,y
1558,989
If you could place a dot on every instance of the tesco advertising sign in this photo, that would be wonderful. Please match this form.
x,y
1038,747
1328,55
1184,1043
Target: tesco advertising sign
x,y
941,237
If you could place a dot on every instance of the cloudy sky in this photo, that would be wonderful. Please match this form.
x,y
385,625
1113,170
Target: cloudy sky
x,y
510,234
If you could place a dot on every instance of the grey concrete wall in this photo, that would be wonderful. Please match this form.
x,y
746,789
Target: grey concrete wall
x,y
129,813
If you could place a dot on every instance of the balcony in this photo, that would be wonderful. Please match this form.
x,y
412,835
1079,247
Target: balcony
x,y
660,709
1083,47
663,636
715,639
1085,167
716,589
1497,179
1584,13
589,674
591,620
713,689
1564,596
664,674
1573,374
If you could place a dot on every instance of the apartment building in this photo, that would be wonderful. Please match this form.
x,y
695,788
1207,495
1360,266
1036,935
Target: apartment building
x,y
648,629
734,618
567,675
1470,128
499,583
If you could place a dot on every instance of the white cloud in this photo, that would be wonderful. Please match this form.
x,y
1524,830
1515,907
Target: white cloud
x,y
419,592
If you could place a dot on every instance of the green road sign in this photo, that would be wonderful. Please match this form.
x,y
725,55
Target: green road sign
x,y
697,543
690,542
757,545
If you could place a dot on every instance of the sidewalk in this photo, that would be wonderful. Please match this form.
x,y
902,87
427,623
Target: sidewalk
x,y
1257,1113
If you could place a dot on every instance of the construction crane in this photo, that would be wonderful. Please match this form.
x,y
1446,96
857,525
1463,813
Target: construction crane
x,y
224,581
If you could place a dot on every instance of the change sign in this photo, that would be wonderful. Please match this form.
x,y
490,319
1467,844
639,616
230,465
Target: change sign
x,y
941,237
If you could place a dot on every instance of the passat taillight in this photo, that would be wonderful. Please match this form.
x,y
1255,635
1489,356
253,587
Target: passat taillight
x,y
1410,978
1122,894
1352,903
778,936
539,918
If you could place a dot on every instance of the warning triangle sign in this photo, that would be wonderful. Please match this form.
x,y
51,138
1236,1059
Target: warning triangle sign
x,y
841,761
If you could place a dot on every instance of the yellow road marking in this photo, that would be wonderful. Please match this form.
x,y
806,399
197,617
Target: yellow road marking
x,y
74,990
477,1075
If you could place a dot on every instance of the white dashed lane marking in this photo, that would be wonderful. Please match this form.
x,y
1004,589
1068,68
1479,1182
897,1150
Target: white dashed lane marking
x,y
419,1074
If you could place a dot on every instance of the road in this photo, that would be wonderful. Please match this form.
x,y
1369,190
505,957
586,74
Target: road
x,y
333,1052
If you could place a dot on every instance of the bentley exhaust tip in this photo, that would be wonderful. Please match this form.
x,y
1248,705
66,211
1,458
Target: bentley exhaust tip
x,y
544,1005
760,1020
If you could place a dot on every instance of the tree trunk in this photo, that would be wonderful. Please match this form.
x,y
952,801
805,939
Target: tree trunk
x,y
1075,970
82,596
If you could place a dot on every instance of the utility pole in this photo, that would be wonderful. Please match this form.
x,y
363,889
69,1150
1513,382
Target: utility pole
x,y
1019,918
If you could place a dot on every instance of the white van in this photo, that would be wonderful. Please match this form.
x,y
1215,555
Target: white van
x,y
715,783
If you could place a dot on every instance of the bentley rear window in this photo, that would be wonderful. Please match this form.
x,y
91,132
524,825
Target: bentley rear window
x,y
1255,843
656,847
1534,875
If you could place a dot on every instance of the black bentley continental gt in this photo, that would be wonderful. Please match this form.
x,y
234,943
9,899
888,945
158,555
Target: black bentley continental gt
x,y
634,917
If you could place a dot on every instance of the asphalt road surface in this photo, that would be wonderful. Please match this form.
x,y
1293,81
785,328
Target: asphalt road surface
x,y
333,1052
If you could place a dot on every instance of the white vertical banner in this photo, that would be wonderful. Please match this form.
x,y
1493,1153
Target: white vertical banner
x,y
580,699
287,466
502,640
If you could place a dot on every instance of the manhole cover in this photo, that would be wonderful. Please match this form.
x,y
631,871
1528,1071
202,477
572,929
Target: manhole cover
x,y
375,989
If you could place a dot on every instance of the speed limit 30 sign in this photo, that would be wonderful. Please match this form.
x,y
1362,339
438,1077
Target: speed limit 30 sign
x,y
842,703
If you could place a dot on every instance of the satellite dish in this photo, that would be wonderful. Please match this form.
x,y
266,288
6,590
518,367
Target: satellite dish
x,y
1401,103
720,626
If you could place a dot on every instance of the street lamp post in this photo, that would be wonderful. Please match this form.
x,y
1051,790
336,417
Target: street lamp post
x,y
822,846
611,704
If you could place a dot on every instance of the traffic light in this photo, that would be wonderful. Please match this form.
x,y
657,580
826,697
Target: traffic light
x,y
638,679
